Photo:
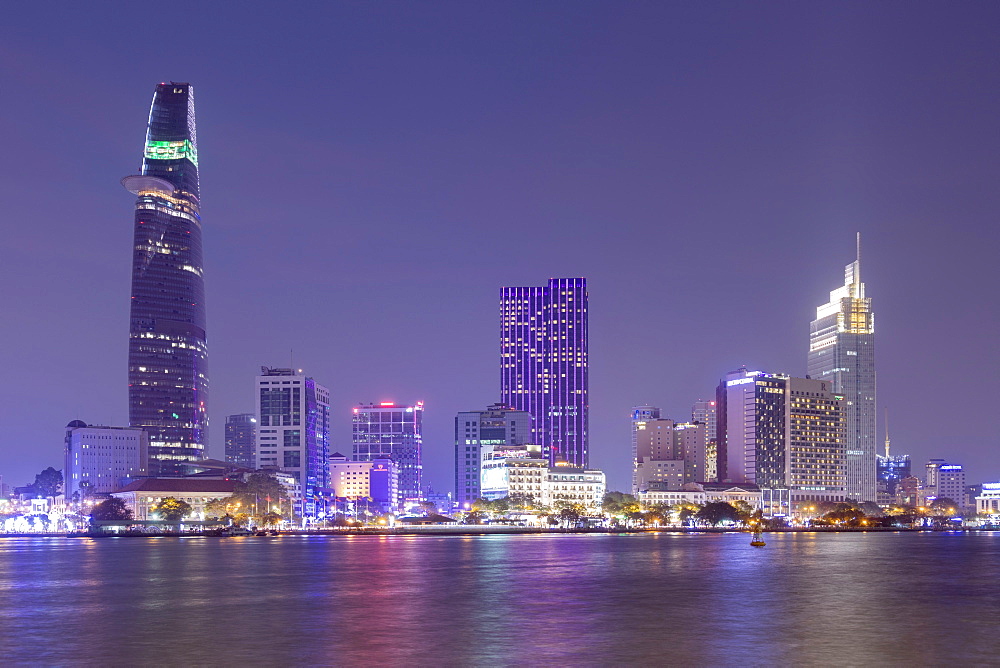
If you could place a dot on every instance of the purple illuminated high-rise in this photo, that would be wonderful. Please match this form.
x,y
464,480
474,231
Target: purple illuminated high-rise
x,y
167,353
544,364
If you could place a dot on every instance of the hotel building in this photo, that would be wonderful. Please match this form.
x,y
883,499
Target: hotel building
x,y
544,364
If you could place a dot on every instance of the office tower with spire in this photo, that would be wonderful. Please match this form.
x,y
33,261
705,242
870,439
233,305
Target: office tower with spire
x,y
168,356
842,351
544,364
890,470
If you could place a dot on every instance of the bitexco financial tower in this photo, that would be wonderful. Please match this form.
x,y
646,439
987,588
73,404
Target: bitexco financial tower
x,y
167,354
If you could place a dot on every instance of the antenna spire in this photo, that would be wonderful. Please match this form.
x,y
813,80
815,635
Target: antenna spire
x,y
887,433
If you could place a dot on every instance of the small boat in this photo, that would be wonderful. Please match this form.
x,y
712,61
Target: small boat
x,y
758,538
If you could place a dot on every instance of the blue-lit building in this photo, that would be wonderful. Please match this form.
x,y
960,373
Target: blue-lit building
x,y
168,355
544,364
392,431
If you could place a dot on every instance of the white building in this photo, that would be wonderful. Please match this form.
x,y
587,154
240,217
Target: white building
x,y
946,481
520,470
293,432
102,459
988,501
143,495
375,482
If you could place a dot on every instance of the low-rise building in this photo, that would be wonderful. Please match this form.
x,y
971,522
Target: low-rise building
x,y
374,482
99,460
988,501
522,471
143,495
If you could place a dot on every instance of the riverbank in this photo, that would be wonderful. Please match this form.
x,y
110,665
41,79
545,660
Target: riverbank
x,y
482,530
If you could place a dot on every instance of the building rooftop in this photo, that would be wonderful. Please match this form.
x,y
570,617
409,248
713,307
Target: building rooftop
x,y
179,485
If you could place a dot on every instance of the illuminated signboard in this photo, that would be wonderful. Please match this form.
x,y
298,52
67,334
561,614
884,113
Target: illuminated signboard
x,y
952,467
738,381
171,150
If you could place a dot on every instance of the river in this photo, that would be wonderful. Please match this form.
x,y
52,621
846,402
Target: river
x,y
584,600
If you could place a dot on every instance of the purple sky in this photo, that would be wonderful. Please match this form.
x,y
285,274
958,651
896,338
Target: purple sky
x,y
373,173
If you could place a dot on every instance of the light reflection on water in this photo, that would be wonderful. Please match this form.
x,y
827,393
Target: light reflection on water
x,y
694,600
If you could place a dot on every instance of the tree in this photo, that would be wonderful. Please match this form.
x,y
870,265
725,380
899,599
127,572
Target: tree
x,y
428,507
172,510
111,509
570,515
474,517
717,512
219,508
846,513
258,493
619,503
47,483
944,506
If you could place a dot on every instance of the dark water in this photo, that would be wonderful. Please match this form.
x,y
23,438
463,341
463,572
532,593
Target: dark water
x,y
688,600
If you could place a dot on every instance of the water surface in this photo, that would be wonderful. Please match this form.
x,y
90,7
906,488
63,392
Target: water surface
x,y
679,599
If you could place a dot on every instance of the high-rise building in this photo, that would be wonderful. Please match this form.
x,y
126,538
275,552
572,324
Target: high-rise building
x,y
842,351
100,460
241,440
783,434
392,431
640,415
703,411
946,480
668,455
543,363
293,432
167,359
476,434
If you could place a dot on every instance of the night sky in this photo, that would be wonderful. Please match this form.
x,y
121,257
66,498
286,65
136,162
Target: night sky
x,y
372,173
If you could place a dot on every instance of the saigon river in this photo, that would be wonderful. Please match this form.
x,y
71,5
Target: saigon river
x,y
592,599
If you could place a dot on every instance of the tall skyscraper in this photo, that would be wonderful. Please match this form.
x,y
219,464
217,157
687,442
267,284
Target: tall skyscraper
x,y
477,433
392,431
783,434
293,432
241,440
544,364
704,412
167,357
842,351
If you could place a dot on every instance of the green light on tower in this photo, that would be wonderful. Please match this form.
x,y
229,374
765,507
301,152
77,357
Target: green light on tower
x,y
171,150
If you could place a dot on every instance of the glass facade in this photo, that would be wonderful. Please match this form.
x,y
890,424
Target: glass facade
x,y
544,363
392,431
241,438
167,365
842,351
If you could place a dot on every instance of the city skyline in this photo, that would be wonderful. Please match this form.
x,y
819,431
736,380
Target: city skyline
x,y
503,168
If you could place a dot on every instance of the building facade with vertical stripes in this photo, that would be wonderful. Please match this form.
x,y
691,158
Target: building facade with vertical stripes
x,y
544,364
